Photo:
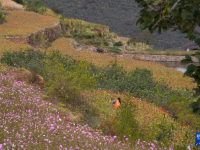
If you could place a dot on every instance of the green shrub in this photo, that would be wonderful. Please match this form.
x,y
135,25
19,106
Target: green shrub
x,y
138,82
57,10
132,41
85,35
96,42
118,43
29,59
37,40
38,6
2,18
115,49
66,80
126,124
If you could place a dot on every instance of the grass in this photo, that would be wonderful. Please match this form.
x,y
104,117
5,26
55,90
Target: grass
x,y
8,45
85,24
21,23
172,77
11,5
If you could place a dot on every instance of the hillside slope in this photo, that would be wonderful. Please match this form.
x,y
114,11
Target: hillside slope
x,y
120,16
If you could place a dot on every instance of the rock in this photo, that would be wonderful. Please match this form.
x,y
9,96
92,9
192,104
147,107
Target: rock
x,y
75,44
38,79
27,76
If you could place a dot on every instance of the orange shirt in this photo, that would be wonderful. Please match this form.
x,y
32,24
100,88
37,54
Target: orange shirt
x,y
117,104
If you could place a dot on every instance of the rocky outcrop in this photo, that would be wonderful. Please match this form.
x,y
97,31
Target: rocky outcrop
x,y
39,38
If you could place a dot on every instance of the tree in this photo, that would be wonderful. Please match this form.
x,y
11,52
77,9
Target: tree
x,y
2,17
38,6
56,10
181,15
146,37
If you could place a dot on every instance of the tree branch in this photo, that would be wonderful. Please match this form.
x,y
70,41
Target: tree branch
x,y
154,9
173,7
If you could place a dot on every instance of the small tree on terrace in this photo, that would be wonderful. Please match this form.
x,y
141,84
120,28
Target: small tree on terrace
x,y
2,17
181,15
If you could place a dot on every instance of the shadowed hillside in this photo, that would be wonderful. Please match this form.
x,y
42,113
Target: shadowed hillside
x,y
120,16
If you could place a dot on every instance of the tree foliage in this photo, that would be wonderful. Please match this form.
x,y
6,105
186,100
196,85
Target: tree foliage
x,y
162,15
38,6
2,17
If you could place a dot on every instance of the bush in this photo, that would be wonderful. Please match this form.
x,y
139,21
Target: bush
x,y
67,80
29,59
115,49
2,18
126,124
138,82
85,35
38,6
118,43
56,10
37,40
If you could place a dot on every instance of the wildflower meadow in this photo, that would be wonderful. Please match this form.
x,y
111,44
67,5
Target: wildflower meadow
x,y
29,122
72,109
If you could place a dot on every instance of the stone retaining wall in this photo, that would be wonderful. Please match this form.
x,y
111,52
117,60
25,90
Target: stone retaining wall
x,y
164,58
39,38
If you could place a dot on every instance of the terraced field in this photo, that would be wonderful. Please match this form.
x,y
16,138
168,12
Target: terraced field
x,y
8,45
20,23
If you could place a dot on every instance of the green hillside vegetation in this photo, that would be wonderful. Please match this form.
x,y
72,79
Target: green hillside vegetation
x,y
71,108
121,18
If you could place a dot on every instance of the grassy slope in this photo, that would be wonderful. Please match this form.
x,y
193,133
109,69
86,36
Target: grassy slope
x,y
171,76
20,23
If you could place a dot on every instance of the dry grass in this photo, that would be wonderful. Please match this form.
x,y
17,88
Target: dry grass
x,y
11,5
124,39
20,23
8,45
137,48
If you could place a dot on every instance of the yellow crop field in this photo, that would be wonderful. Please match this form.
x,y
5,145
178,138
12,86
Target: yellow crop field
x,y
8,45
20,23
172,77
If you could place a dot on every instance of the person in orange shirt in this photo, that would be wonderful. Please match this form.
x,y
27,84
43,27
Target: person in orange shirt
x,y
116,103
